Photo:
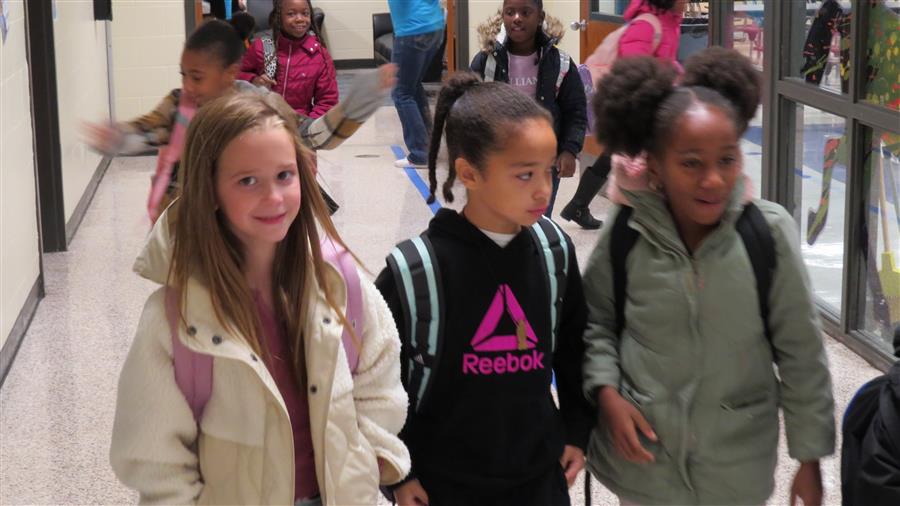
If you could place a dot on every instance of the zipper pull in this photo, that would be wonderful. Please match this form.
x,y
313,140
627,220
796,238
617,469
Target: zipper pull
x,y
521,336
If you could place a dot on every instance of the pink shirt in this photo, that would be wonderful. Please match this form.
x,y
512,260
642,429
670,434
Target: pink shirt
x,y
282,369
523,73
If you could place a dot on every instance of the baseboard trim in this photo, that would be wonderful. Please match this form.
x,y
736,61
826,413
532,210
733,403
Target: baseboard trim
x,y
86,199
857,343
20,327
350,64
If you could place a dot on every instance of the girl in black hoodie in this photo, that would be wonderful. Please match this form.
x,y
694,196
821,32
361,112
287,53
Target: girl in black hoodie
x,y
483,427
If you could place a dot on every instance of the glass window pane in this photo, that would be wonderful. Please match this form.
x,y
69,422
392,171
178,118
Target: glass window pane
x,y
694,30
883,224
747,29
883,54
609,7
747,24
820,170
752,149
820,43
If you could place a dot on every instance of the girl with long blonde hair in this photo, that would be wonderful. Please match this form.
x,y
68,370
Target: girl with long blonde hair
x,y
288,420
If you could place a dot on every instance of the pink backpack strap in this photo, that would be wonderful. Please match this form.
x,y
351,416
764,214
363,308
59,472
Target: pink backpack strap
x,y
193,371
343,261
657,27
170,154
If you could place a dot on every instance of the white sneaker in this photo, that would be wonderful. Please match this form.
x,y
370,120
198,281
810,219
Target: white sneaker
x,y
404,163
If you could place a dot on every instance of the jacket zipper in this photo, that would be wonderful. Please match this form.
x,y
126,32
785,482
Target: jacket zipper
x,y
287,69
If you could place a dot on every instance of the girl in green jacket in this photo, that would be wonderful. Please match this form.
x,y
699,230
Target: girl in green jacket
x,y
679,357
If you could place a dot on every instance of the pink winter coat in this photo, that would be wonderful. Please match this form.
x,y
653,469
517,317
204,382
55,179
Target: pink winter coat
x,y
305,76
638,38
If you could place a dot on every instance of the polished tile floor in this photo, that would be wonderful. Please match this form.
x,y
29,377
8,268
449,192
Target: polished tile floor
x,y
56,405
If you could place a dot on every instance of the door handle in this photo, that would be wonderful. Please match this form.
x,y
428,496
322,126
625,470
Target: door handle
x,y
578,25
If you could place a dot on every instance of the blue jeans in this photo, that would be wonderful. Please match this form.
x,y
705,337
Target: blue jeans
x,y
413,55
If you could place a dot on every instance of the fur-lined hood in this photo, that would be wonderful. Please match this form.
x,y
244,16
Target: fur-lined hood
x,y
489,32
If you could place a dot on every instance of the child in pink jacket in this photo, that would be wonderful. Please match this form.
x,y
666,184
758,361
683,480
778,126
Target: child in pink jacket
x,y
640,39
302,70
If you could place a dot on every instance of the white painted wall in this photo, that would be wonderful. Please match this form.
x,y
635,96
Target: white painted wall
x,y
82,91
19,250
147,39
348,26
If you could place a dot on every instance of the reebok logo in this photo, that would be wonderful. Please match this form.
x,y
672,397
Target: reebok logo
x,y
473,364
486,340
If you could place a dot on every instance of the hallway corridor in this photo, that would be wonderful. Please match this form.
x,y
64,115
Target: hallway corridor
x,y
57,403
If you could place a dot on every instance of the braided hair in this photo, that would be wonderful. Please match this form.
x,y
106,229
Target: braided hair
x,y
478,118
275,21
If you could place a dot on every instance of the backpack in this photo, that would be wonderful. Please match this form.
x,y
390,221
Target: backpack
x,y
755,234
193,371
270,60
870,454
413,264
602,59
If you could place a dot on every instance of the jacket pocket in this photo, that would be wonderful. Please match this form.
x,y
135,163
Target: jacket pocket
x,y
652,412
746,428
353,466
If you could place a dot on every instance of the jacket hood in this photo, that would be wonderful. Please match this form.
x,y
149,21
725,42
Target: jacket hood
x,y
156,256
629,176
629,186
491,33
638,7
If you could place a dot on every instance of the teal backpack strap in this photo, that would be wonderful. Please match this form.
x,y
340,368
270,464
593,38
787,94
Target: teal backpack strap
x,y
414,267
554,247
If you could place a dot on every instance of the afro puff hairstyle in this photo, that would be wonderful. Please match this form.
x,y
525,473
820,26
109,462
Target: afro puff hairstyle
x,y
638,103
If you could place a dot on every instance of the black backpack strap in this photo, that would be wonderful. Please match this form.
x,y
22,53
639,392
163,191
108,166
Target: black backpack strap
x,y
416,274
553,246
760,245
622,240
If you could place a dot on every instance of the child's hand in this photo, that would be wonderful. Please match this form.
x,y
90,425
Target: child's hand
x,y
566,164
411,493
102,137
387,77
572,462
622,418
808,484
264,81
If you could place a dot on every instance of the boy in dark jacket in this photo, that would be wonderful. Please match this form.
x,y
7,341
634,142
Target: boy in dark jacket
x,y
870,457
519,48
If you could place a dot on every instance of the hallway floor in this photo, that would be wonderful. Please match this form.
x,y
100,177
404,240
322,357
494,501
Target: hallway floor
x,y
57,404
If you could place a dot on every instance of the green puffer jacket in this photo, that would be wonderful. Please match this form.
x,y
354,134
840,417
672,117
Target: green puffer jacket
x,y
694,359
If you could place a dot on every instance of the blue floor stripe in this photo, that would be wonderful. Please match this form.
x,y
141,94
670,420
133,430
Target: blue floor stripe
x,y
417,180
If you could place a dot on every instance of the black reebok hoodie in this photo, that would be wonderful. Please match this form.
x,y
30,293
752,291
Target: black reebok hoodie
x,y
490,422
